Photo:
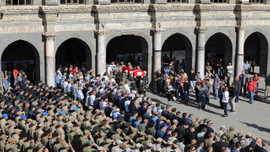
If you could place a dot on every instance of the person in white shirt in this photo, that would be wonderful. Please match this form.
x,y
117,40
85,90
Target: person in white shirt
x,y
230,68
80,94
247,67
92,98
225,101
126,86
103,103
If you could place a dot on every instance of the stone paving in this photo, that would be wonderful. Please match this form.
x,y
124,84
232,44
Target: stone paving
x,y
248,118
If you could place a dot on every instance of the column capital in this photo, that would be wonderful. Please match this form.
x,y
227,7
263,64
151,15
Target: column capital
x,y
49,36
201,29
239,27
101,32
157,30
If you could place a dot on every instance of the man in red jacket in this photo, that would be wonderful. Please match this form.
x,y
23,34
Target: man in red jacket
x,y
251,87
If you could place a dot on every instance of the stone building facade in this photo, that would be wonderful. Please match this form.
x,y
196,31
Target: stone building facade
x,y
41,31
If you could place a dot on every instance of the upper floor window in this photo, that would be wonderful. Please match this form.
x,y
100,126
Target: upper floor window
x,y
126,1
19,2
72,1
219,1
177,1
257,1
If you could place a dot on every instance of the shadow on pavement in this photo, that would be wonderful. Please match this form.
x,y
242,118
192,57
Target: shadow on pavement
x,y
257,127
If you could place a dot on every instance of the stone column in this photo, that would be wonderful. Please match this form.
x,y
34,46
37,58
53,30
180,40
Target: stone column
x,y
240,50
157,50
50,59
101,55
201,50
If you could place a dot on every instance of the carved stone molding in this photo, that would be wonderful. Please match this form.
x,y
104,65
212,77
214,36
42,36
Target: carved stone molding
x,y
201,29
22,9
49,36
261,7
217,7
121,8
69,8
173,7
101,32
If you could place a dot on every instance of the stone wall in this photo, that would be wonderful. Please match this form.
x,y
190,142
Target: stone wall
x,y
82,21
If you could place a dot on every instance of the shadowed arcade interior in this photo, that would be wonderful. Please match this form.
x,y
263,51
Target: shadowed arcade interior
x,y
23,55
73,51
128,48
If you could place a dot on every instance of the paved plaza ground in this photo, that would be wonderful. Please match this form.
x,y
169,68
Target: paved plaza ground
x,y
253,118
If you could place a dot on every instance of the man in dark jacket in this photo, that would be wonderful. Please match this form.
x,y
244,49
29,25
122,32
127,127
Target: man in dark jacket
x,y
221,145
243,78
237,85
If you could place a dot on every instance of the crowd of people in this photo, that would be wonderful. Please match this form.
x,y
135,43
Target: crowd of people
x,y
219,83
111,112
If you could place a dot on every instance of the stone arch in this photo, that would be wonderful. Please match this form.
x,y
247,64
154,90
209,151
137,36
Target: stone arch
x,y
23,55
219,45
256,47
73,51
129,48
180,47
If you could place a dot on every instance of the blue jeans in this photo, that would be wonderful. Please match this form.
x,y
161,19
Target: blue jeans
x,y
215,92
177,94
208,74
251,96
225,108
203,102
237,97
218,71
186,96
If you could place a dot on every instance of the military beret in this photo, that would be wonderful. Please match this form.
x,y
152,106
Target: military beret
x,y
104,122
97,111
232,128
159,140
45,113
3,136
90,107
175,121
23,117
169,142
62,112
4,115
75,108
118,130
10,139
108,140
39,145
119,142
17,130
86,132
142,134
120,119
134,129
126,138
59,140
149,136
39,110
102,134
138,145
127,124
